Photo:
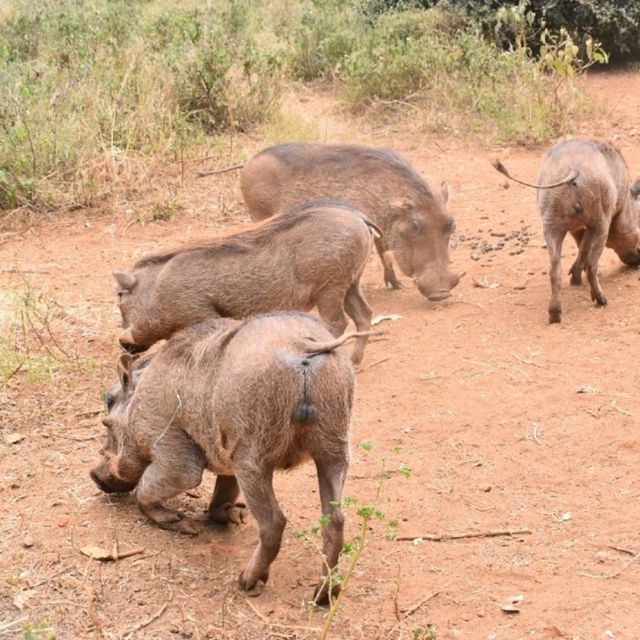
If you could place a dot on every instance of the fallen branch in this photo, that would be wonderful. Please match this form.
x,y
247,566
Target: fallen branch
x,y
629,552
409,611
460,536
148,621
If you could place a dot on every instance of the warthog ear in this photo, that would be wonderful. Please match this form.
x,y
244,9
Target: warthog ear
x,y
125,372
444,191
634,189
125,280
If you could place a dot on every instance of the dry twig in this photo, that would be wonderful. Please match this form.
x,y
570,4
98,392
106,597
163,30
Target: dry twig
x,y
148,621
460,536
409,611
373,364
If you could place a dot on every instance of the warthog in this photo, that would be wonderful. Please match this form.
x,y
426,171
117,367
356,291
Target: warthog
x,y
311,256
414,219
242,399
590,196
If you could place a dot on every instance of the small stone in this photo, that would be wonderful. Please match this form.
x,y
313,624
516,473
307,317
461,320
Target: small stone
x,y
28,541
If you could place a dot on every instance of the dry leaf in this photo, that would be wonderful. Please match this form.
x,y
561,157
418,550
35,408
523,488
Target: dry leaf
x,y
96,553
585,388
13,438
511,604
556,631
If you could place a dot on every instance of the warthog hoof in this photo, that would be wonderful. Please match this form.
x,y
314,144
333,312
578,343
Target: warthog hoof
x,y
599,299
248,583
576,278
229,512
321,594
171,520
555,316
392,282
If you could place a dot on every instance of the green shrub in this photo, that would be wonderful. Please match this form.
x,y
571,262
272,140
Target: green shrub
x,y
437,59
615,24
87,85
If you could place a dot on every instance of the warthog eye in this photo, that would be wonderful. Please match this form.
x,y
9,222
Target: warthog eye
x,y
416,225
110,401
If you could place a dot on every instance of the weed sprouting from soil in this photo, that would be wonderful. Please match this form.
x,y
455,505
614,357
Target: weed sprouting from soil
x,y
367,513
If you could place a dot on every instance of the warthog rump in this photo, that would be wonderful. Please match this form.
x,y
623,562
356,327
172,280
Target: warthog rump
x,y
241,399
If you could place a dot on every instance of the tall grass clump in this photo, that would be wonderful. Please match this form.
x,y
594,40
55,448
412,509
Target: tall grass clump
x,y
442,61
88,85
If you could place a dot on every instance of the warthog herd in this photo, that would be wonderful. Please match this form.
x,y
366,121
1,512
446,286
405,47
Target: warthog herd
x,y
247,382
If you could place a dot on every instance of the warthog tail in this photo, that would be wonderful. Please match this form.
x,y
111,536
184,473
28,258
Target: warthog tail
x,y
498,166
315,348
306,412
204,174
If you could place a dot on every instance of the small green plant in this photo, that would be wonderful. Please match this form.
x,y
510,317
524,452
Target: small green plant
x,y
425,633
41,631
352,549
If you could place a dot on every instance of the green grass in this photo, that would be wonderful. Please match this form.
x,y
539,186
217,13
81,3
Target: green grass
x,y
28,347
91,88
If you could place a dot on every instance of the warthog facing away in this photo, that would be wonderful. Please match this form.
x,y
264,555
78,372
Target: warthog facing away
x,y
593,201
241,399
414,219
311,256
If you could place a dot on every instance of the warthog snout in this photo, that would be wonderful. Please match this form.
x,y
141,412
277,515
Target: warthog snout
x,y
436,288
109,483
129,344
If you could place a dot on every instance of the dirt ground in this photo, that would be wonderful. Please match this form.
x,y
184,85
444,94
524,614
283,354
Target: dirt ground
x,y
505,423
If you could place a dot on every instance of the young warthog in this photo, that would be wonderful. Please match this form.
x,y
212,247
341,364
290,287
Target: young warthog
x,y
278,265
241,399
414,219
592,199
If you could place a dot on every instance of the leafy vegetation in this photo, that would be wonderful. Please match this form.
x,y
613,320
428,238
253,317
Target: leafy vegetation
x,y
90,87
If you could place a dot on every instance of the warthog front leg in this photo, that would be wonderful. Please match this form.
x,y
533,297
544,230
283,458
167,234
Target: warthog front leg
x,y
257,487
177,466
360,312
331,478
554,241
224,508
599,239
390,278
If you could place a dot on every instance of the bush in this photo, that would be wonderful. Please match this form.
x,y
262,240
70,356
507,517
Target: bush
x,y
438,59
614,24
86,85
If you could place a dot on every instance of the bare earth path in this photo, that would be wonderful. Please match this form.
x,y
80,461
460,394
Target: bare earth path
x,y
503,421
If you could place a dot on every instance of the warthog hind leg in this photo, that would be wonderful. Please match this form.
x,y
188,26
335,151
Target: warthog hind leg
x,y
257,488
